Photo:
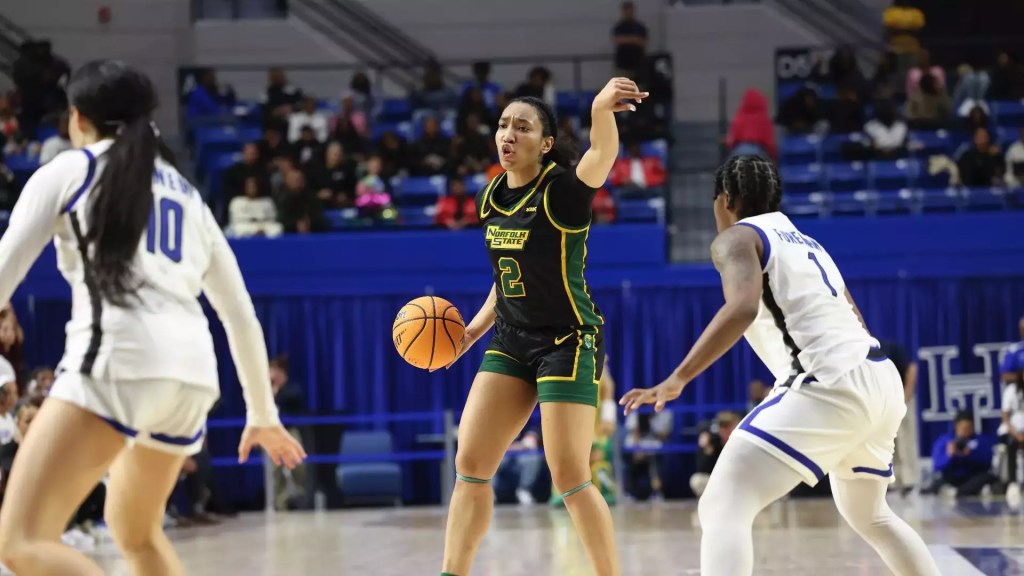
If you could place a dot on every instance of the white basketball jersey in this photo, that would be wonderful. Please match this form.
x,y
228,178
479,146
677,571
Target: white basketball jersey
x,y
805,324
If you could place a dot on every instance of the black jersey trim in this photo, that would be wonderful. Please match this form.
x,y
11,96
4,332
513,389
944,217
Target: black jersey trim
x,y
780,322
95,301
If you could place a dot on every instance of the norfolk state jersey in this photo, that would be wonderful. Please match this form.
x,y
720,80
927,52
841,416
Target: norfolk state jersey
x,y
538,262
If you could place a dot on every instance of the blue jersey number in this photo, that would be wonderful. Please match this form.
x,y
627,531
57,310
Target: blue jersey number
x,y
824,276
166,220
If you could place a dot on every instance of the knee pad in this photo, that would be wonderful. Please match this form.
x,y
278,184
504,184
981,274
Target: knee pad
x,y
471,480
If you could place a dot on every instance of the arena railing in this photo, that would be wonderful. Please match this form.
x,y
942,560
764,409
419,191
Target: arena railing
x,y
447,437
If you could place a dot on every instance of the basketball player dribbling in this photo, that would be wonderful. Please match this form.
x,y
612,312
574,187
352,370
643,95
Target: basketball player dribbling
x,y
837,401
548,343
137,244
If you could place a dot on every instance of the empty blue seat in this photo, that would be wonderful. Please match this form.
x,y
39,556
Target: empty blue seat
x,y
476,183
990,198
421,191
567,103
1008,113
5,216
340,219
212,142
804,204
447,127
215,175
892,174
655,149
843,177
940,199
368,482
859,202
801,179
639,210
395,110
403,130
800,150
925,143
832,146
23,167
417,217
896,201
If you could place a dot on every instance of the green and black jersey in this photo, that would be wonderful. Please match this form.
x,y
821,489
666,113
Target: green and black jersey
x,y
537,241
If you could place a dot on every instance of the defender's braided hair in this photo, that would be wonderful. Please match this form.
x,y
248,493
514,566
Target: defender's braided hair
x,y
752,178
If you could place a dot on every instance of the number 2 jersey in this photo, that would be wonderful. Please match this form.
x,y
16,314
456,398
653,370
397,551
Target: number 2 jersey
x,y
536,238
805,324
164,334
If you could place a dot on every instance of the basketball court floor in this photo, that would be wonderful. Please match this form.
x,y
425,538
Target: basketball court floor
x,y
795,537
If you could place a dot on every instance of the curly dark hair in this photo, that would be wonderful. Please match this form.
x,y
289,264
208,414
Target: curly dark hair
x,y
755,180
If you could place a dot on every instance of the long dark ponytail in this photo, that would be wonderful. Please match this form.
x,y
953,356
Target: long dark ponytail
x,y
119,102
565,151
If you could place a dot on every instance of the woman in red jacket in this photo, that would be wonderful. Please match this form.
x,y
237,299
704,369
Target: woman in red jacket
x,y
752,132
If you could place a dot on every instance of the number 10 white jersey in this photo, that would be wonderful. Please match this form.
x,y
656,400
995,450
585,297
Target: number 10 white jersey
x,y
805,324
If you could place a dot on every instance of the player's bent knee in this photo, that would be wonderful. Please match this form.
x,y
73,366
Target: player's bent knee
x,y
468,465
566,478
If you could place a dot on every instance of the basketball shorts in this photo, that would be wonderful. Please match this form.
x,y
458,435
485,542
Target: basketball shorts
x,y
566,364
846,428
166,415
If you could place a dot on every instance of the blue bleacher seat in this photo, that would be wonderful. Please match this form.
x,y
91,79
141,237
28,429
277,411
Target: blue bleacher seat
x,y
892,174
567,103
23,166
215,175
859,202
806,204
939,199
341,219
991,198
212,142
925,143
368,482
447,127
417,217
44,132
1008,113
476,183
801,179
651,210
832,146
403,130
798,150
846,177
395,110
896,201
421,191
656,148
925,180
5,216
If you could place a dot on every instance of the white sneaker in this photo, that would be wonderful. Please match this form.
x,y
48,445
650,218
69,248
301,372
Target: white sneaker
x,y
948,492
986,492
524,496
1013,493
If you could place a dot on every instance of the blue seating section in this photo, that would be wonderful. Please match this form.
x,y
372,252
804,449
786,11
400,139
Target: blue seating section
x,y
369,482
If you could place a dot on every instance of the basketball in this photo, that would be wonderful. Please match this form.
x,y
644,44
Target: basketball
x,y
428,332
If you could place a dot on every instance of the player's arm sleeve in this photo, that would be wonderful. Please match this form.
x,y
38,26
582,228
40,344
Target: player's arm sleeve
x,y
225,289
32,221
569,201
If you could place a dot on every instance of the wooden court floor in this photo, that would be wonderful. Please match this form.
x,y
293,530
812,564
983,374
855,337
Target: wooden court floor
x,y
794,537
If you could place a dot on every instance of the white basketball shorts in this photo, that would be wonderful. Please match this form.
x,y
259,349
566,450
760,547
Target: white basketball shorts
x,y
166,415
844,428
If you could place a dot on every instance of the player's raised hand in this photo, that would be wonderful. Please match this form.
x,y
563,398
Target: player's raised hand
x,y
659,395
282,448
613,97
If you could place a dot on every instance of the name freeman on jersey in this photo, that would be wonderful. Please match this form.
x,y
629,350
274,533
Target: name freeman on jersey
x,y
797,238
499,239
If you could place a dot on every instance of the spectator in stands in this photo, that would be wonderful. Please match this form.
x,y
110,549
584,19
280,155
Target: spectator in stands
x,y
280,98
40,76
307,150
289,485
1007,79
472,149
971,88
40,382
924,66
457,210
602,207
846,74
976,118
646,433
1013,358
888,132
8,400
524,468
473,104
481,80
883,83
12,342
710,442
434,96
905,463
394,156
633,174
361,102
630,37
250,166
538,85
799,114
9,450
207,99
300,210
1015,162
309,116
982,163
429,155
273,144
335,178
963,460
372,197
569,126
355,144
757,393
929,108
59,142
253,213
752,132
14,141
847,112
1012,431
8,184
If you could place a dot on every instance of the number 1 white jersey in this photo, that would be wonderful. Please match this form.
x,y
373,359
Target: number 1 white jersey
x,y
164,334
805,324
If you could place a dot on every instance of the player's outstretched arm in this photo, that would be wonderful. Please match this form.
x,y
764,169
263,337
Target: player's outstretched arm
x,y
480,324
597,163
226,291
735,254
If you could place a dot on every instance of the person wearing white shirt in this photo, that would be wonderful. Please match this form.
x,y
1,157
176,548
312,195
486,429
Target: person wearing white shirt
x,y
308,116
253,214
1015,162
1013,432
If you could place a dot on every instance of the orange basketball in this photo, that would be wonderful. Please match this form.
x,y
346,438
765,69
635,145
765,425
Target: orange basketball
x,y
428,332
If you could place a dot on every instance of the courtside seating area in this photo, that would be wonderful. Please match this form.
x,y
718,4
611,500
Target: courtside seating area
x,y
818,182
